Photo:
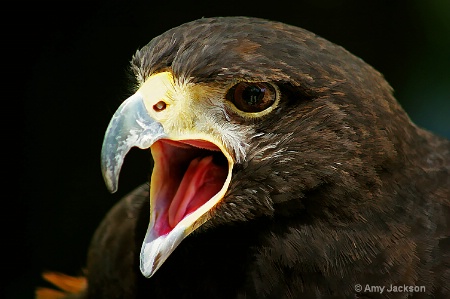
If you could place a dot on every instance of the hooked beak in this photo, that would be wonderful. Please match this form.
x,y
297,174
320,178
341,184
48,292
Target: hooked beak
x,y
192,169
130,126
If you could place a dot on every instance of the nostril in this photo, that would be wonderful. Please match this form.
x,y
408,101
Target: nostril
x,y
160,106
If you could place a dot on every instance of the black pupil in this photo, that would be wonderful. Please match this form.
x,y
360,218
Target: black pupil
x,y
252,95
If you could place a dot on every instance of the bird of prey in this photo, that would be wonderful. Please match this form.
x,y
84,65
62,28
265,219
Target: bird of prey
x,y
283,168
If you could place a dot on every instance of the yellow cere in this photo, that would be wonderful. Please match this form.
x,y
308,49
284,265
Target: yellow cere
x,y
158,87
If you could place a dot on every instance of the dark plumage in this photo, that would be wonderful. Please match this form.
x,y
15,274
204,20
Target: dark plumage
x,y
335,187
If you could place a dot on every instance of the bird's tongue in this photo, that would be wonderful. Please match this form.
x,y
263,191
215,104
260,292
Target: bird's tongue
x,y
201,181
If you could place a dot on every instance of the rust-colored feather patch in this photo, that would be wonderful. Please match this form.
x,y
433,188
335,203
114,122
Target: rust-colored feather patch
x,y
67,284
45,293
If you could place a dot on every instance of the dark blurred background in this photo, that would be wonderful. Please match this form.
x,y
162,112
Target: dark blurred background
x,y
70,72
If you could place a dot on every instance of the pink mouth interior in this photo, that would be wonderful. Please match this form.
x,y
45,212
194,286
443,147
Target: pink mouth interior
x,y
187,174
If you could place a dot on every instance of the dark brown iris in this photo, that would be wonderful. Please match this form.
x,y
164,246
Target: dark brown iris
x,y
252,96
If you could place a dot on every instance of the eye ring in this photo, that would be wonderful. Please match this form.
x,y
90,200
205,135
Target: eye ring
x,y
253,97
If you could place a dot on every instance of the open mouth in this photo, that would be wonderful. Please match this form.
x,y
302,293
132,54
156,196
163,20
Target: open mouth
x,y
186,175
190,177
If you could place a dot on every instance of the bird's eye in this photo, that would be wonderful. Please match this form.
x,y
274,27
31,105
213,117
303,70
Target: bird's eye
x,y
252,96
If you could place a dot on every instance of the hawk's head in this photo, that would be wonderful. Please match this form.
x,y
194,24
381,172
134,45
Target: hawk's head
x,y
247,118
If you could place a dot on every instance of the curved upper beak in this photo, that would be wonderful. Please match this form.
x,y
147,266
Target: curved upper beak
x,y
130,126
192,168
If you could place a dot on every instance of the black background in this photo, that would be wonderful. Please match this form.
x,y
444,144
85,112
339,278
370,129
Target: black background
x,y
67,72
